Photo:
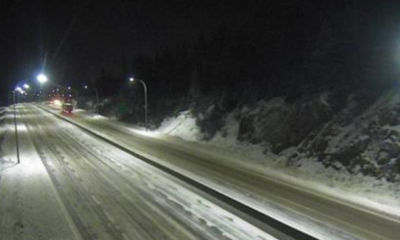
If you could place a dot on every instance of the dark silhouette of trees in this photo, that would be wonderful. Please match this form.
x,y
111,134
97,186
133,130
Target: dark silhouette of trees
x,y
301,49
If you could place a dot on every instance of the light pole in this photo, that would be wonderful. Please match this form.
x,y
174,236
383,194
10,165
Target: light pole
x,y
97,98
17,89
145,100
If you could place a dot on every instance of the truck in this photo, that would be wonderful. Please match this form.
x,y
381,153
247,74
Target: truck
x,y
67,108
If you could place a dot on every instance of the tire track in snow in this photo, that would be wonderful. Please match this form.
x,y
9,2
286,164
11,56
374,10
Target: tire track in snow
x,y
164,201
63,179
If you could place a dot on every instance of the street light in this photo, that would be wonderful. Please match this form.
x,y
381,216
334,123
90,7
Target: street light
x,y
21,91
42,78
97,97
131,79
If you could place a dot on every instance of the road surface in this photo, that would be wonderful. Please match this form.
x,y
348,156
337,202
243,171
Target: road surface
x,y
97,191
311,212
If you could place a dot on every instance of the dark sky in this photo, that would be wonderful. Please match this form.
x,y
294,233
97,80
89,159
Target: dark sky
x,y
80,37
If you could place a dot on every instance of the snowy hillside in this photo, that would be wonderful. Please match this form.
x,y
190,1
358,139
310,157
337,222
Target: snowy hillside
x,y
360,137
351,146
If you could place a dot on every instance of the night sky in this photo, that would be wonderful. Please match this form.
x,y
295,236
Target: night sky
x,y
81,37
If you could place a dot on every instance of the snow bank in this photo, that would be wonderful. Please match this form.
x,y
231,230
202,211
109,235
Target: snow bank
x,y
307,163
183,126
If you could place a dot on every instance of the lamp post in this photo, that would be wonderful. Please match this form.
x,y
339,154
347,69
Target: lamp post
x,y
145,99
97,97
17,89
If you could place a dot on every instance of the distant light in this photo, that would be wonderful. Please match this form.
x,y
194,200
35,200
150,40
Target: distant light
x,y
131,79
57,102
53,90
20,90
69,88
42,78
58,89
86,87
70,95
146,133
26,86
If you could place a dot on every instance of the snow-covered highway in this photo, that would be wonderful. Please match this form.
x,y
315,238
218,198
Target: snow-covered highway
x,y
103,192
71,185
319,215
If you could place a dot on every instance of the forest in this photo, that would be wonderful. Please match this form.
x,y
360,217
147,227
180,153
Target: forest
x,y
291,49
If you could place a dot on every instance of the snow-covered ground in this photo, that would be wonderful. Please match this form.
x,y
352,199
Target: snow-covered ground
x,y
309,172
70,185
29,207
276,197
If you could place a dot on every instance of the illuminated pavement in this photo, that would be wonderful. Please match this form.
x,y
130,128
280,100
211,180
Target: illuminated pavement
x,y
71,185
311,212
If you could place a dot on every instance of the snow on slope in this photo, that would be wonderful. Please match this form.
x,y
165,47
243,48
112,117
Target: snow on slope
x,y
183,126
353,153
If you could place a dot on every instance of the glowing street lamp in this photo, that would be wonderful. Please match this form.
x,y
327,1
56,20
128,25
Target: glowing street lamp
x,y
26,86
131,79
42,78
15,94
97,97
19,89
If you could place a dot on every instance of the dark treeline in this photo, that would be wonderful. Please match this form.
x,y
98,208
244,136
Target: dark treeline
x,y
287,49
